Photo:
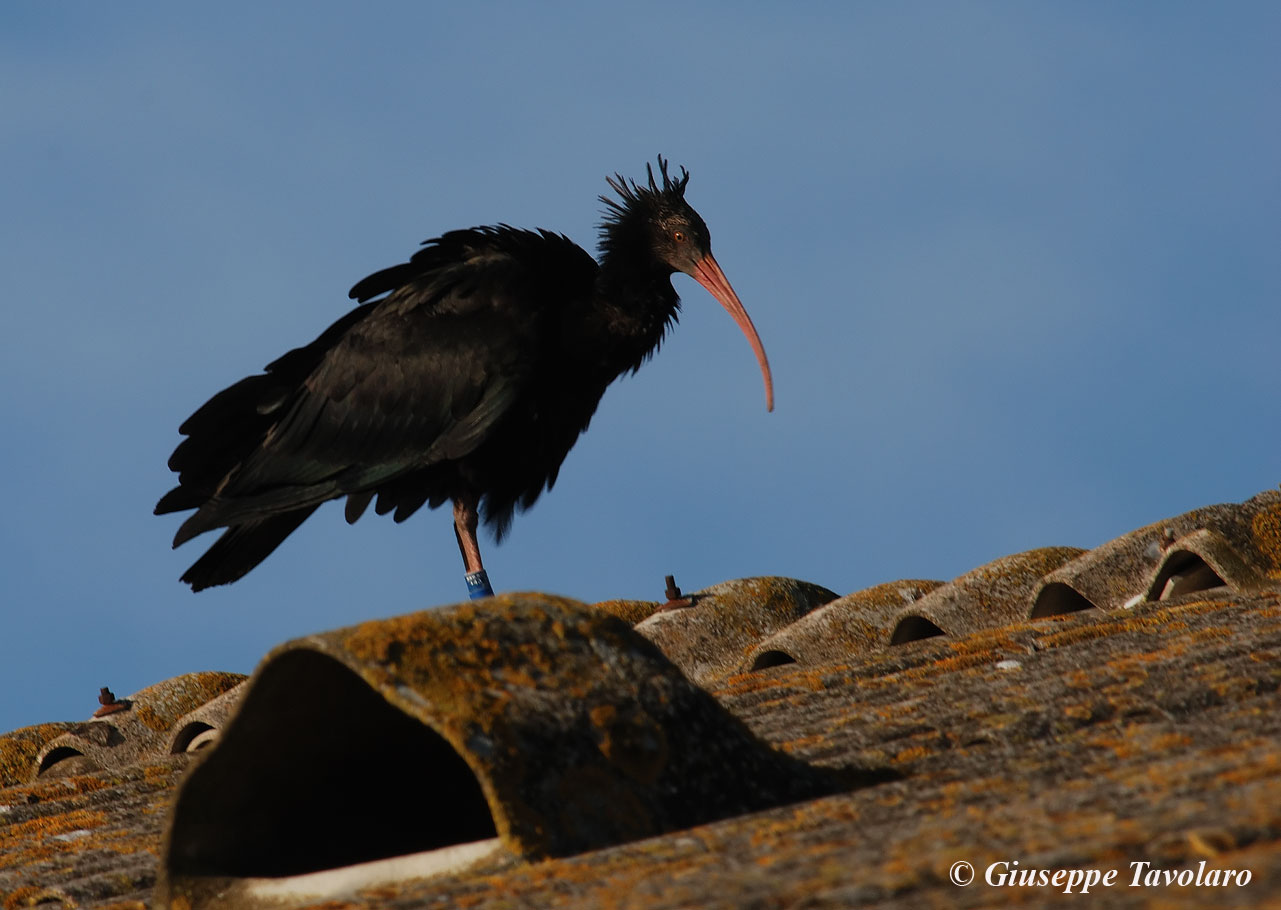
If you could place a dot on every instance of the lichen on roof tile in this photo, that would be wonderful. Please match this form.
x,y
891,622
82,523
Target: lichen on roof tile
x,y
1234,544
629,611
160,706
200,728
991,595
139,728
710,639
89,840
1140,731
20,750
1236,547
537,720
850,625
1265,532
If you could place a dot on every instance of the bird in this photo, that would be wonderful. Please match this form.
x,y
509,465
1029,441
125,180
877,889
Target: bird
x,y
464,375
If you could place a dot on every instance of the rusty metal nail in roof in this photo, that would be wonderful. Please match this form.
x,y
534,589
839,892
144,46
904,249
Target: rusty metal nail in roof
x,y
674,599
107,699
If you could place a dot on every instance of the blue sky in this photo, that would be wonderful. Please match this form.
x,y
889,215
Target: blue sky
x,y
1017,268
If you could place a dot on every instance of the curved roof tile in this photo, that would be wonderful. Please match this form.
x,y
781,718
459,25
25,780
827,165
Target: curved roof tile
x,y
1238,543
991,595
854,624
534,723
122,732
710,638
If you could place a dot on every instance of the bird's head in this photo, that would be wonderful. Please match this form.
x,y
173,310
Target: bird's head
x,y
658,218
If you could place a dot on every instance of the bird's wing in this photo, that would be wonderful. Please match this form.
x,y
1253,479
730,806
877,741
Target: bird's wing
x,y
423,377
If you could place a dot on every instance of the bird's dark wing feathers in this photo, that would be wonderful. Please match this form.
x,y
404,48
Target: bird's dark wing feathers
x,y
458,261
228,427
418,376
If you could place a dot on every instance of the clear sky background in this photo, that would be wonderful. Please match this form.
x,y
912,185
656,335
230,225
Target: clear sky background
x,y
1017,268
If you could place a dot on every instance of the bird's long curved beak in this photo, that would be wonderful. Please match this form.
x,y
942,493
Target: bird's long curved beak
x,y
709,275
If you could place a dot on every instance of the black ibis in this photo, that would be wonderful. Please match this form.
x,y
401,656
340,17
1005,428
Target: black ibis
x,y
465,375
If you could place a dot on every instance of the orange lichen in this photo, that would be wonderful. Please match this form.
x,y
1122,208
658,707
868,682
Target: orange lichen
x,y
986,640
151,718
911,754
630,611
632,741
809,678
33,895
60,788
1163,622
33,840
1268,766
1079,712
161,775
18,751
1266,528
951,664
1169,742
158,707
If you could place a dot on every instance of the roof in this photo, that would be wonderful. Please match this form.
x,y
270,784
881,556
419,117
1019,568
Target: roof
x,y
769,744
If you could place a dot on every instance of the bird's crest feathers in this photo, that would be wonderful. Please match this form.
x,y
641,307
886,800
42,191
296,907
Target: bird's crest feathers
x,y
633,193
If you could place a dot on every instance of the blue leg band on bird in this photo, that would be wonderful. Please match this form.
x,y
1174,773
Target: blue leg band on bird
x,y
478,585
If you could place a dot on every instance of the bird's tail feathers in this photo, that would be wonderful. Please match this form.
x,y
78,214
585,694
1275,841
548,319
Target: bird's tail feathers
x,y
242,547
179,499
261,507
225,429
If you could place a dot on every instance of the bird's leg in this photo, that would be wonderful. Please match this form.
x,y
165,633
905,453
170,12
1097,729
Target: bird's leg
x,y
466,520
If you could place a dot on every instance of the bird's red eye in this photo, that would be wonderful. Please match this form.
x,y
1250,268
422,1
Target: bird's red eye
x,y
678,236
